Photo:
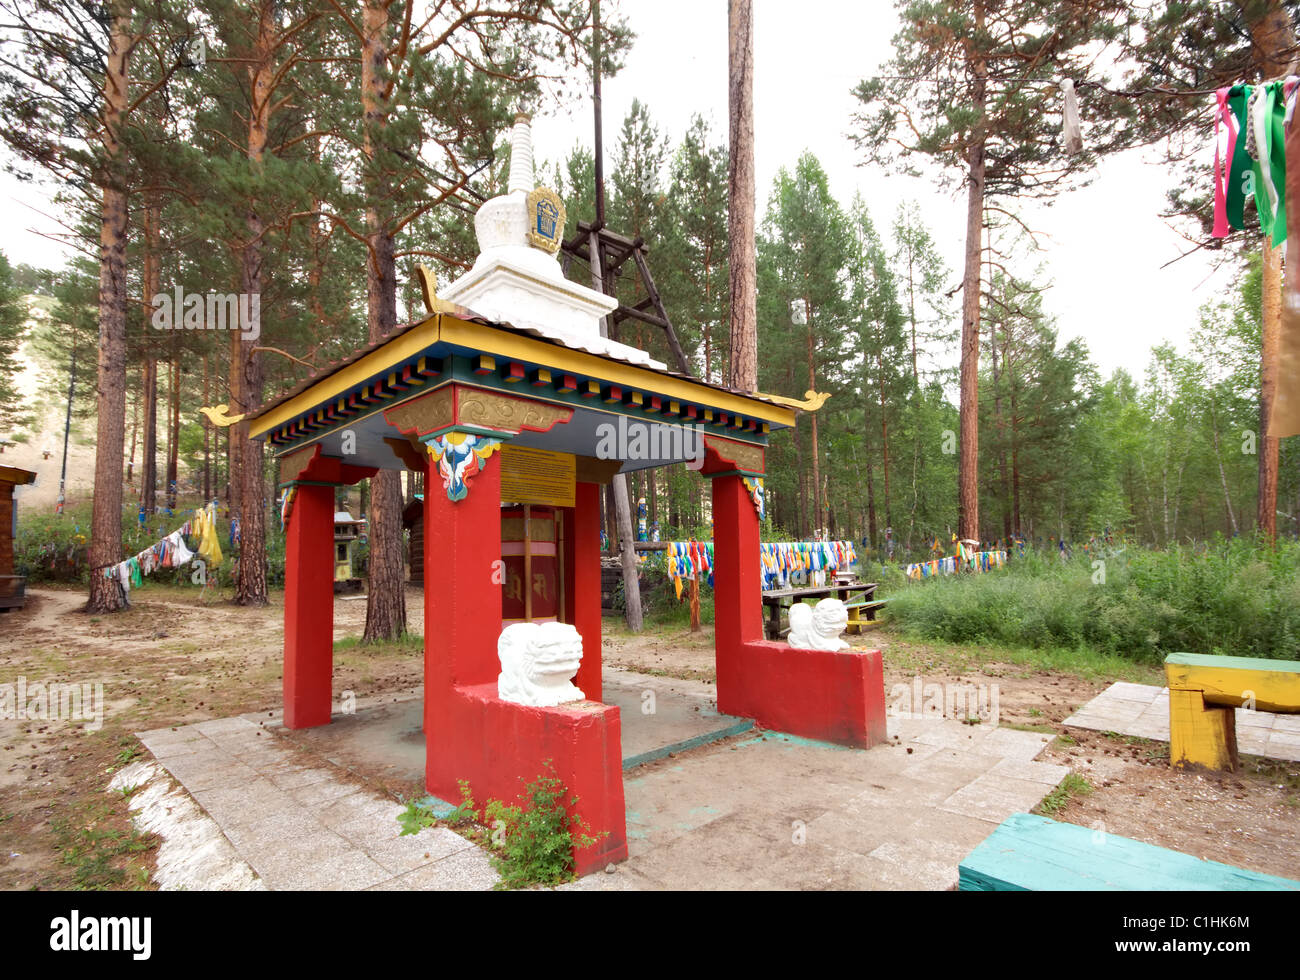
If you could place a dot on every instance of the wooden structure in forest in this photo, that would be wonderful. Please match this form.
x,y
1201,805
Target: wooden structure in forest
x,y
13,589
606,252
347,532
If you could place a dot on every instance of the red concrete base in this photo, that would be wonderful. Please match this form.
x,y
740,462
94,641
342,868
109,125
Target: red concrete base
x,y
832,697
500,747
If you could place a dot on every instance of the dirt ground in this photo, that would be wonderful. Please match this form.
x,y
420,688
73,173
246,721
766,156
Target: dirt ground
x,y
171,660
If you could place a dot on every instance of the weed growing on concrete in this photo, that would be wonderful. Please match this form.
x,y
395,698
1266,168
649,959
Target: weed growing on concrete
x,y
419,814
533,843
1071,786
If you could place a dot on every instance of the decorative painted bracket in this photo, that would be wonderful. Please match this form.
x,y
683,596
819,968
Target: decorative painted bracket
x,y
460,455
286,506
757,494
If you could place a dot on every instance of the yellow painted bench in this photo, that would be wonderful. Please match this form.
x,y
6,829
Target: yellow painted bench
x,y
1204,693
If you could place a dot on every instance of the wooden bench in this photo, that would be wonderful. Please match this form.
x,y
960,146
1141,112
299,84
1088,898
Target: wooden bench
x,y
1204,693
774,600
1031,853
862,612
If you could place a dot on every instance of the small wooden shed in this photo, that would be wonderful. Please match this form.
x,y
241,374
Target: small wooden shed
x,y
12,587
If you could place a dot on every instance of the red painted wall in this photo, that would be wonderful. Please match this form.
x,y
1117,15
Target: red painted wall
x,y
500,747
834,697
470,733
309,608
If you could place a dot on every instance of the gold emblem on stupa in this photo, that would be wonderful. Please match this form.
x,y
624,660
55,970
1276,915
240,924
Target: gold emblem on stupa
x,y
545,220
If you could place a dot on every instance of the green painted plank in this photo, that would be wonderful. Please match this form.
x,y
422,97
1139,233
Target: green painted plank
x,y
1032,853
1237,663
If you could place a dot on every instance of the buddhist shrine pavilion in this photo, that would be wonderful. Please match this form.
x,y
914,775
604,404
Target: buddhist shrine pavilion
x,y
517,410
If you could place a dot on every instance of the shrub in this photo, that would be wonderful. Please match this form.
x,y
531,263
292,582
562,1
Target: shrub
x,y
534,843
1234,597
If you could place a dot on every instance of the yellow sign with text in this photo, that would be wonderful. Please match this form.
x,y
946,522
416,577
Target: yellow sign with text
x,y
537,476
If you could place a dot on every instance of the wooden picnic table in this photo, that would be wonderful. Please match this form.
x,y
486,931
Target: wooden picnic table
x,y
854,594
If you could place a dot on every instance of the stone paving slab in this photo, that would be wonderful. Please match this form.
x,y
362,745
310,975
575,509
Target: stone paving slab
x,y
301,827
761,810
1142,710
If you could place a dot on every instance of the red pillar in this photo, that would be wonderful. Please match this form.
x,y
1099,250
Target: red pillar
x,y
309,608
737,573
497,746
584,563
463,575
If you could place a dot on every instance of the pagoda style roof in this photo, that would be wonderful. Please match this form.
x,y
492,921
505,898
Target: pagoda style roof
x,y
585,387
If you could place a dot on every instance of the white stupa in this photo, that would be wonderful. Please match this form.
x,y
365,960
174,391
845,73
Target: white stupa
x,y
517,282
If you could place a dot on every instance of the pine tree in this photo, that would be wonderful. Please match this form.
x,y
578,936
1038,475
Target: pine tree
x,y
70,103
694,255
13,322
810,241
973,88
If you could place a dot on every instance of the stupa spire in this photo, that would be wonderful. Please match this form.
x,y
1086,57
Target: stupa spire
x,y
522,177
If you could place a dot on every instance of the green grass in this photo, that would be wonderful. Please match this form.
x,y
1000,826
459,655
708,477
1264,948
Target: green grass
x,y
913,654
1071,786
406,643
1037,729
100,855
1229,597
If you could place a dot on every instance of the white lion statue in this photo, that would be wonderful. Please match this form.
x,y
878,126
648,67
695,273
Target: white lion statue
x,y
818,627
538,661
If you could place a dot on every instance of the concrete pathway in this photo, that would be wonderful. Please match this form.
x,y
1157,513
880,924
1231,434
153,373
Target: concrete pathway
x,y
759,810
1142,710
771,811
304,827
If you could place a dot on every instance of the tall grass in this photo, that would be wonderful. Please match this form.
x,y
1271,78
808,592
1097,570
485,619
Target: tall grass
x,y
1226,597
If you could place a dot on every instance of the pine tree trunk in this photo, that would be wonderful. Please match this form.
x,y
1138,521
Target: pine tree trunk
x,y
818,515
207,435
632,596
1015,448
1001,430
250,589
1270,343
149,464
740,185
386,601
968,462
234,455
884,440
135,433
149,460
1273,40
872,528
173,431
250,586
106,595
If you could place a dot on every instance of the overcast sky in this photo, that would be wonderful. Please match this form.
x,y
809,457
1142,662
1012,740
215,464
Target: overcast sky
x,y
1106,242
